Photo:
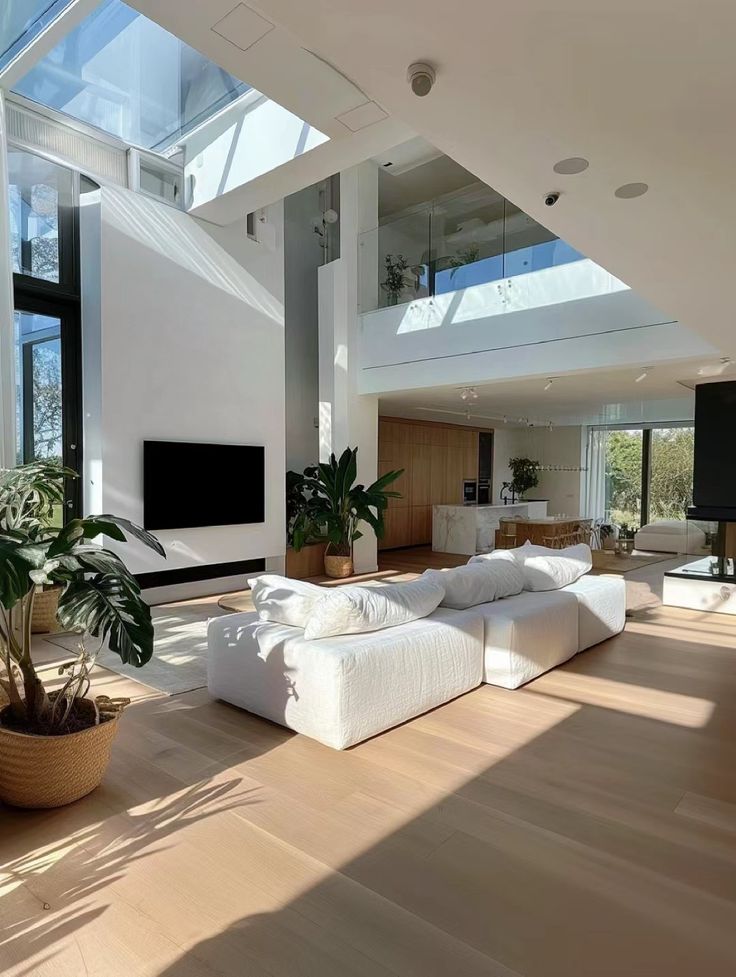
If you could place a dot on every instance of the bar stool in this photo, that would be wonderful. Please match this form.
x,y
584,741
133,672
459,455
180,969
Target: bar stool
x,y
507,534
553,542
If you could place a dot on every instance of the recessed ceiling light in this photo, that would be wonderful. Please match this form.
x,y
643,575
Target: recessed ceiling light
x,y
571,165
630,190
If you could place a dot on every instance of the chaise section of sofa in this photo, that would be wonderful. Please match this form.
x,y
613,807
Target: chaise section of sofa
x,y
342,690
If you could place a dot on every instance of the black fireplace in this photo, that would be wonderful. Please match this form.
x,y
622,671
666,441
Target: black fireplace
x,y
714,482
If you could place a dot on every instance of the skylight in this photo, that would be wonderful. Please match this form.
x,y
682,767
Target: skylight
x,y
122,73
21,21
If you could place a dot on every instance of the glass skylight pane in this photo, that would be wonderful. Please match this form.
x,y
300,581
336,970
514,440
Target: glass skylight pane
x,y
21,21
124,74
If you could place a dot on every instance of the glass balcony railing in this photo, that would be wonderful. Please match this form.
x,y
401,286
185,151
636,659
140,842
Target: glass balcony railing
x,y
468,238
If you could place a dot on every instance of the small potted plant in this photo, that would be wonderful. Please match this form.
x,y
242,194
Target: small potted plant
x,y
395,281
55,743
335,504
625,543
465,256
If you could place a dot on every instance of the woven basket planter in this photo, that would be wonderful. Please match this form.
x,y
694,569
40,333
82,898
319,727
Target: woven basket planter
x,y
45,606
51,771
338,567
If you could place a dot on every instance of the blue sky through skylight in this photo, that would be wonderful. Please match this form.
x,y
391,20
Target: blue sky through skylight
x,y
21,21
122,73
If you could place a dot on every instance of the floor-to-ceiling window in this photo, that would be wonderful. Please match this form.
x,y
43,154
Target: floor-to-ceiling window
x,y
671,472
640,474
623,474
43,200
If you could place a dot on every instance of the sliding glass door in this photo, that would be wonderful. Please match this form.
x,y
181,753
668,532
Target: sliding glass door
x,y
639,475
671,472
43,230
624,457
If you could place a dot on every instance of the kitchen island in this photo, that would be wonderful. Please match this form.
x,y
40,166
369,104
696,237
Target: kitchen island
x,y
472,529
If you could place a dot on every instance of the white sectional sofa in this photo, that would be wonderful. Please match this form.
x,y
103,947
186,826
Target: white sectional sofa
x,y
346,688
342,690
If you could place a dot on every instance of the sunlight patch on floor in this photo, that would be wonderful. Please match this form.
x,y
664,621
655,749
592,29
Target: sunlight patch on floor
x,y
627,697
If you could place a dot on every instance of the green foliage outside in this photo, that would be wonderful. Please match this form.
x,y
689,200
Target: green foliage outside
x,y
671,482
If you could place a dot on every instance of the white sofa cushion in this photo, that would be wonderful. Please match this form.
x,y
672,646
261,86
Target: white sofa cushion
x,y
284,601
354,610
527,635
342,690
507,576
545,568
601,608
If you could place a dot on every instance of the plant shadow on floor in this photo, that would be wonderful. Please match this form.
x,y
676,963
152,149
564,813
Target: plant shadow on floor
x,y
552,847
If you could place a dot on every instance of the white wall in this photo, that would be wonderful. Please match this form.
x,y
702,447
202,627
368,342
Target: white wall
x,y
183,323
561,446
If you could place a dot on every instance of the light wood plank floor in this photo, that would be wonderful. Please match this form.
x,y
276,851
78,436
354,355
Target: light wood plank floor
x,y
584,826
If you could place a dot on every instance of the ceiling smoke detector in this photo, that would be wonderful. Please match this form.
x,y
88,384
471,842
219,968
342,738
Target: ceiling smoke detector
x,y
421,77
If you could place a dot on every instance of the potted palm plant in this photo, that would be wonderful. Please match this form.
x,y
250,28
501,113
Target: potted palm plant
x,y
55,743
335,504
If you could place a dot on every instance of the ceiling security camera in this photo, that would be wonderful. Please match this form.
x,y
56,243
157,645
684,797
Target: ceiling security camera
x,y
421,76
551,198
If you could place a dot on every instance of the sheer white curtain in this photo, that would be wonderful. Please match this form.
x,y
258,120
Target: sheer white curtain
x,y
595,482
7,339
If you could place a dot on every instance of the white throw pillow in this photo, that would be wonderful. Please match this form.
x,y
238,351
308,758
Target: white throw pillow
x,y
548,569
284,601
352,610
472,584
508,579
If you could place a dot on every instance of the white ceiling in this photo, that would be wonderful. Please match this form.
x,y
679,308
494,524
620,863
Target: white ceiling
x,y
593,397
644,90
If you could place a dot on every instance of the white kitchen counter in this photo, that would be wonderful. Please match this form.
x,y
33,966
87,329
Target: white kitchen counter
x,y
472,529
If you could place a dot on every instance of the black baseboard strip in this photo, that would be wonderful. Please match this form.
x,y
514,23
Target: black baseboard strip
x,y
167,578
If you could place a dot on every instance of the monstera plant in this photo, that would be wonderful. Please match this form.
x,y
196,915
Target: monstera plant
x,y
54,738
334,507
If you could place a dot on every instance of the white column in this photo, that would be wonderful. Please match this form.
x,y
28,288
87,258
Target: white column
x,y
7,332
347,418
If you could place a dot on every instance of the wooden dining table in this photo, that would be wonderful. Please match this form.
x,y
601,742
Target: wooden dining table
x,y
555,531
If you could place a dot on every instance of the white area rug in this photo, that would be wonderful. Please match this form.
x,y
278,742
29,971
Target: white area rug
x,y
179,662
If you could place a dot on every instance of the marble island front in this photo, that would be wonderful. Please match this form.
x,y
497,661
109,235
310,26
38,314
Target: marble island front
x,y
472,529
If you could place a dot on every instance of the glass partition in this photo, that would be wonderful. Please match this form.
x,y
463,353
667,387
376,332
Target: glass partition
x,y
468,240
404,259
471,237
530,247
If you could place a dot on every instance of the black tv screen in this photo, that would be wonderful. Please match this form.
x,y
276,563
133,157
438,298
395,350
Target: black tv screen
x,y
188,484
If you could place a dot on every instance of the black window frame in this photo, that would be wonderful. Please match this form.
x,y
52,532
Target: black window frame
x,y
62,300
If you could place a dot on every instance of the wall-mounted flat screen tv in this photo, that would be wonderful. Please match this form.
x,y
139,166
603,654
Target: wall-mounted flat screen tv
x,y
190,485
